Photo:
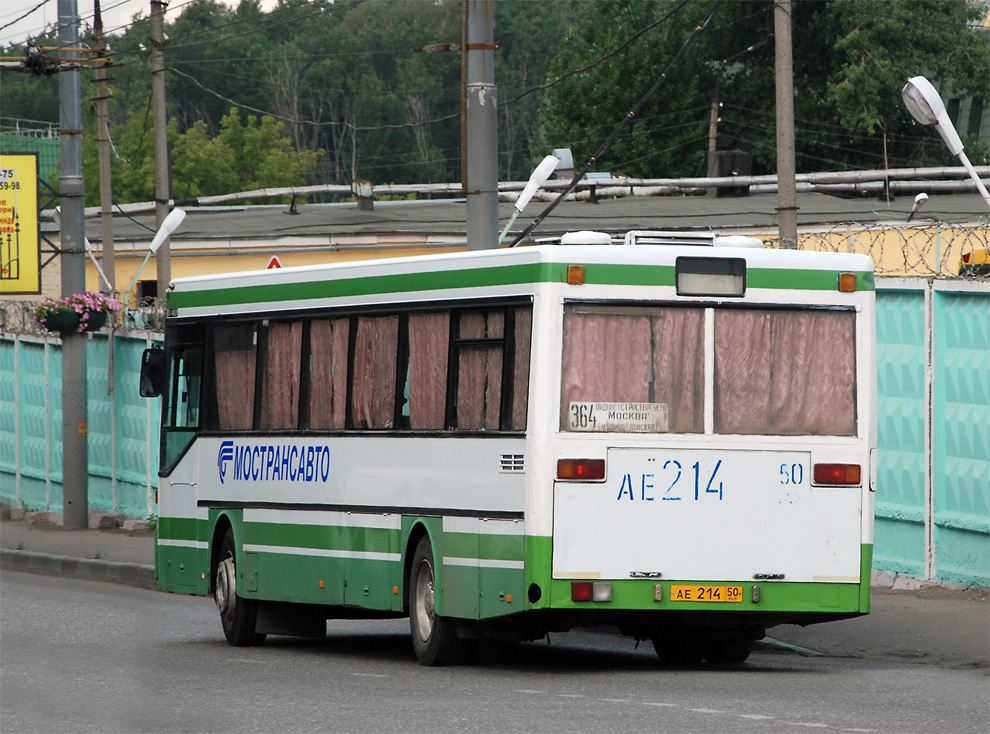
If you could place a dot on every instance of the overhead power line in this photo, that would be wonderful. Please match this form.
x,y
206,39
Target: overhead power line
x,y
626,121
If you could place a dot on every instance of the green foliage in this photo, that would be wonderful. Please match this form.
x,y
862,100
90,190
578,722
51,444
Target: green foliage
x,y
328,91
851,58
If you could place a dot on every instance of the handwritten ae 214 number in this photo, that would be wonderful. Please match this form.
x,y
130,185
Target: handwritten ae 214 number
x,y
674,482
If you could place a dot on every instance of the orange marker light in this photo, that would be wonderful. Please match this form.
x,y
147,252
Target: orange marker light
x,y
508,598
321,584
395,589
575,274
847,282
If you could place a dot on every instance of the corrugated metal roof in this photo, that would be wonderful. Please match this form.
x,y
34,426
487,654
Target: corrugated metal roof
x,y
421,221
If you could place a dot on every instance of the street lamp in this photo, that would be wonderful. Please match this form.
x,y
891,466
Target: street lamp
x,y
536,180
925,105
169,225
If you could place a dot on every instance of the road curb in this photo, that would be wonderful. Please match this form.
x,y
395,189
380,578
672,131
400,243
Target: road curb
x,y
138,575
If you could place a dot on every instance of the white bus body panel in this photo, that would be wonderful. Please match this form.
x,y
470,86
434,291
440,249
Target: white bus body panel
x,y
381,474
707,514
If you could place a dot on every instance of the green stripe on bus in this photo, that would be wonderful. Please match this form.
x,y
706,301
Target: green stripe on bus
x,y
373,285
182,528
321,537
595,274
805,280
483,546
775,596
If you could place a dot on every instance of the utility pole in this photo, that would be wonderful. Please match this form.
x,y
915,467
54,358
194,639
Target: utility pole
x,y
162,172
103,138
784,74
481,173
75,428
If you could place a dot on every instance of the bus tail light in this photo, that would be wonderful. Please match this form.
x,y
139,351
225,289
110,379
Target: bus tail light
x,y
843,474
581,469
591,591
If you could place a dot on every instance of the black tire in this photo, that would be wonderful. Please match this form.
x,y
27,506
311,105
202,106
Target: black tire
x,y
237,615
728,652
434,638
679,651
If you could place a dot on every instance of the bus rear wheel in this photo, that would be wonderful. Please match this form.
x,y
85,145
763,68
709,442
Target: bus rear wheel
x,y
728,652
677,651
238,616
434,637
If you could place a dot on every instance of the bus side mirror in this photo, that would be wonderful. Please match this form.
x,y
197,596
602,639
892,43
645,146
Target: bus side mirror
x,y
152,372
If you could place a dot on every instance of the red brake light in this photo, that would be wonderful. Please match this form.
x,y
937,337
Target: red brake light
x,y
581,469
581,590
965,257
837,474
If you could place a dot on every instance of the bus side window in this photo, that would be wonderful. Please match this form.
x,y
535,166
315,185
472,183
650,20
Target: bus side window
x,y
187,381
478,354
327,399
429,343
235,364
373,379
520,367
280,375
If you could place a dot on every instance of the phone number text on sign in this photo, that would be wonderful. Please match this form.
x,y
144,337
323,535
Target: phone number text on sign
x,y
617,417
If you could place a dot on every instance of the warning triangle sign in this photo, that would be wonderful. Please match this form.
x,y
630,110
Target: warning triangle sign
x,y
274,263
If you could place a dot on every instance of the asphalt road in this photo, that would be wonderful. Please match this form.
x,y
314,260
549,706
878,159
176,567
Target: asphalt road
x,y
84,656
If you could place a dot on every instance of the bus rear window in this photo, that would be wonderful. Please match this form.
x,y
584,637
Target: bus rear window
x,y
633,370
785,372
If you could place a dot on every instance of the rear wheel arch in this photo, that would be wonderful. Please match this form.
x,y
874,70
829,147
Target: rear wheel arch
x,y
223,524
418,531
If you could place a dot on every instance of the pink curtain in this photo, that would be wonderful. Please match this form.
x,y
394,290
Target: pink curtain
x,y
606,359
328,373
373,382
520,371
429,339
785,372
479,372
679,367
235,361
280,381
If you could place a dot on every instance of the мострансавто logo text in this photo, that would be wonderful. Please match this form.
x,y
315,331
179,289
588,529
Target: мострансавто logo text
x,y
273,462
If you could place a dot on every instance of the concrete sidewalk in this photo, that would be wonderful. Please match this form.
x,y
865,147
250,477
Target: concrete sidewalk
x,y
911,621
37,545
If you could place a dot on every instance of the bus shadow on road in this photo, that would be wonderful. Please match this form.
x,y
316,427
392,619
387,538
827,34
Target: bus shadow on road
x,y
577,652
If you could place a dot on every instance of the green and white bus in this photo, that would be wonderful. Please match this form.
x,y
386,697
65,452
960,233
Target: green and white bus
x,y
674,440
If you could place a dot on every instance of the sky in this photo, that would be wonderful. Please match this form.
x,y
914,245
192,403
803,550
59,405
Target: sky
x,y
116,15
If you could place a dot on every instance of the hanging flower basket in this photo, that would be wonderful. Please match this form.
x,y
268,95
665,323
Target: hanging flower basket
x,y
78,313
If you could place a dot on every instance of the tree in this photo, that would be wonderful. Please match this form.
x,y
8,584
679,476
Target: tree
x,y
243,156
851,58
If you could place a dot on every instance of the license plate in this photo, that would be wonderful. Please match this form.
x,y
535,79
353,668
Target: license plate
x,y
698,592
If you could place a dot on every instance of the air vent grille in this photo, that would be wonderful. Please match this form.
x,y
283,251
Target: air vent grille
x,y
512,463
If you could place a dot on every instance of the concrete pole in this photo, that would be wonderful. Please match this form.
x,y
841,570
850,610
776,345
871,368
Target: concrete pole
x,y
75,456
103,139
162,172
784,73
482,131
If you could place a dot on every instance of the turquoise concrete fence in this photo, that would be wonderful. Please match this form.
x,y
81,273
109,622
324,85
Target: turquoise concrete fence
x,y
933,477
122,430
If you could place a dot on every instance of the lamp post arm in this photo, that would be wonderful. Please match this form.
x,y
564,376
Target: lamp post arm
x,y
975,176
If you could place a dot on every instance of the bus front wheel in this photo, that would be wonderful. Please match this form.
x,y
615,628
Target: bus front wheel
x,y
237,615
434,637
